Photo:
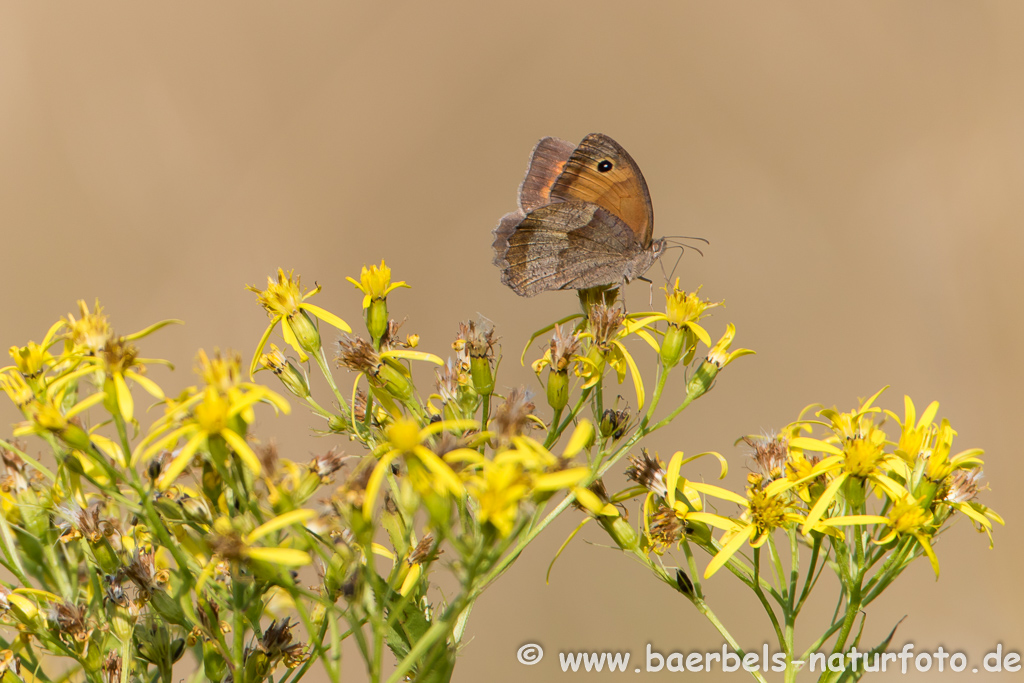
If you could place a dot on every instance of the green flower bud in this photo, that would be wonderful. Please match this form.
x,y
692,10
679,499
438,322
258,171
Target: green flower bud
x,y
613,423
94,656
482,375
622,532
257,666
214,665
168,608
338,424
122,619
672,346
702,380
294,380
394,524
558,389
105,556
376,316
394,381
306,333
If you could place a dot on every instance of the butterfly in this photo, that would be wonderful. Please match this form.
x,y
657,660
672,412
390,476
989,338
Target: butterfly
x,y
585,219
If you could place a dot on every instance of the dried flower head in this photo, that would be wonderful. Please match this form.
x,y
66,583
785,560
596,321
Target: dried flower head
x,y
327,464
648,472
604,322
70,620
961,486
771,453
666,529
275,644
143,573
357,354
424,551
477,338
14,476
79,523
513,415
562,349
112,668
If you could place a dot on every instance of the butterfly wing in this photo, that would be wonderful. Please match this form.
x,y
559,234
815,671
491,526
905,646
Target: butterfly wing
x,y
601,172
565,245
546,163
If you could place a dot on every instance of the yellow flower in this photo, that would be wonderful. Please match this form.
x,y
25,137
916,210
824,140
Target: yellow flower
x,y
232,544
115,364
682,312
499,485
940,464
375,283
860,454
32,360
223,409
915,436
286,304
405,439
909,517
607,328
91,331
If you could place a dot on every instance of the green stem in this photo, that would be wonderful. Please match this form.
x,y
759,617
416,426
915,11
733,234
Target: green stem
x,y
703,608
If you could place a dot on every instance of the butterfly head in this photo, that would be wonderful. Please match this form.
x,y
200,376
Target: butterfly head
x,y
645,259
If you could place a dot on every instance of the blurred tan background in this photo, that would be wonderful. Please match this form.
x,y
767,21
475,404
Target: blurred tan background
x,y
858,168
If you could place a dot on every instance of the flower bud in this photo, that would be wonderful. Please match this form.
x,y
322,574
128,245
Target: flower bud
x,y
558,389
214,665
257,666
702,380
122,619
376,316
168,608
684,583
621,531
394,381
105,555
338,424
293,379
482,375
613,423
306,333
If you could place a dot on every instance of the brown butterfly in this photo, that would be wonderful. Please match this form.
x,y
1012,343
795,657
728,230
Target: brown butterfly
x,y
584,219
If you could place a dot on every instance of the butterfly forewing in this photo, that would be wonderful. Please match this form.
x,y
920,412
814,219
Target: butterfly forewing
x,y
601,172
546,163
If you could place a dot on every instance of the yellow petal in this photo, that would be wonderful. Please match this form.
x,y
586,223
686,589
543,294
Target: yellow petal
x,y
243,450
326,316
726,553
280,522
178,465
823,502
581,436
285,557
560,480
124,398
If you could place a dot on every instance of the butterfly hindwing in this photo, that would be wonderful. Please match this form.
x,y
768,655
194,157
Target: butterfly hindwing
x,y
565,245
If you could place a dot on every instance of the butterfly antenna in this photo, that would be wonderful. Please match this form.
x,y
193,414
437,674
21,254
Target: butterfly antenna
x,y
682,249
687,237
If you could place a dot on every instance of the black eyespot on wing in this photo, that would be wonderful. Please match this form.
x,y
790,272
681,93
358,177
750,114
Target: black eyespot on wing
x,y
604,166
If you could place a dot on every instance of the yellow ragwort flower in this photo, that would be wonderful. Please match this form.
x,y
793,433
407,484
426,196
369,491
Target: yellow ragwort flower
x,y
375,283
285,303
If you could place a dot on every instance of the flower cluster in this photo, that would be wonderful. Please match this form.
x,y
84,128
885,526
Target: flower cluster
x,y
866,491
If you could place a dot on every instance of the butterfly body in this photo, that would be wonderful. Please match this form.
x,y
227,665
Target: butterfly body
x,y
585,219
